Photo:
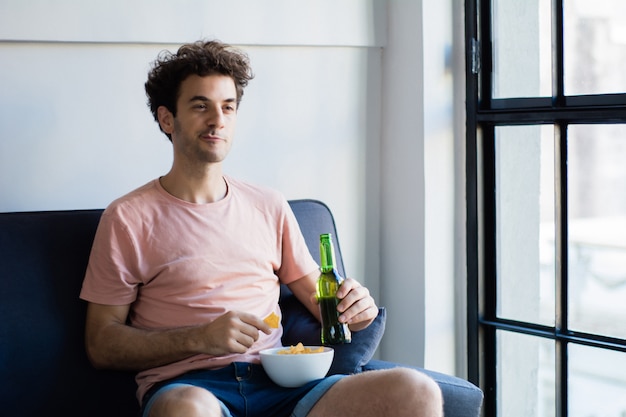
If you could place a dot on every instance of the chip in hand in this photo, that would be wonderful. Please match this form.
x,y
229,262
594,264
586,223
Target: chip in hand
x,y
272,320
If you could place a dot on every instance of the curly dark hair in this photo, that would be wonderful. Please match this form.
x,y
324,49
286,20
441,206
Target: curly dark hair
x,y
201,58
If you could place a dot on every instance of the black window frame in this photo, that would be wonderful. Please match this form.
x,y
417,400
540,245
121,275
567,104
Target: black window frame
x,y
484,114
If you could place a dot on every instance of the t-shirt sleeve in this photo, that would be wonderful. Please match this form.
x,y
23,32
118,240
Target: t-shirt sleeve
x,y
111,276
296,258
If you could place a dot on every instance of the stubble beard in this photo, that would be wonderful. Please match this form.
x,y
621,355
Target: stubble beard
x,y
197,152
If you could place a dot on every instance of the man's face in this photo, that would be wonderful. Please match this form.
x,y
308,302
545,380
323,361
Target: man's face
x,y
203,129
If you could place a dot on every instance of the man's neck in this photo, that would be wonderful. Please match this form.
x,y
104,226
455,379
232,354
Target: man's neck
x,y
200,189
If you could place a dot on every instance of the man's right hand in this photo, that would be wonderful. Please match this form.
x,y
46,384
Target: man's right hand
x,y
233,332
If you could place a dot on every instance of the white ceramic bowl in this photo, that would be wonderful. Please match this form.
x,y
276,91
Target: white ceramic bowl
x,y
294,370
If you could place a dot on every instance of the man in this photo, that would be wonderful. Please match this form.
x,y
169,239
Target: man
x,y
184,269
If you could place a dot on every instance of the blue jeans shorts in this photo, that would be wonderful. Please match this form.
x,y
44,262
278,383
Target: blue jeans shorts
x,y
245,390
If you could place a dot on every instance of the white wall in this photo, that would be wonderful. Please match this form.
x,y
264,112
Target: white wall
x,y
402,177
336,112
77,132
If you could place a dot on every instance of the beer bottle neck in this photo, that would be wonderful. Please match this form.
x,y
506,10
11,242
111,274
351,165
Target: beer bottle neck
x,y
327,254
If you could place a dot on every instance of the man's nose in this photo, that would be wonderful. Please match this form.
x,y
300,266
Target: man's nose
x,y
216,117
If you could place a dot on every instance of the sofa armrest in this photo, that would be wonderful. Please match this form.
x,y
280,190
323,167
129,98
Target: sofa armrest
x,y
461,398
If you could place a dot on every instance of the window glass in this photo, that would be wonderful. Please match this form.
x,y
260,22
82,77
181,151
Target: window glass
x,y
522,57
525,229
594,46
597,228
597,382
526,376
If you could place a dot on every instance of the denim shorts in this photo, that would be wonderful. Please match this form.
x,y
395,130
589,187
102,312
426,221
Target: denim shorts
x,y
245,390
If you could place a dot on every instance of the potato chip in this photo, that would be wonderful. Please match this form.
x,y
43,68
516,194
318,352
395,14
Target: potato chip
x,y
272,320
299,349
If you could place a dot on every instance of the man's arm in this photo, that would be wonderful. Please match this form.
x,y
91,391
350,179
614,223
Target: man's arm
x,y
357,307
111,343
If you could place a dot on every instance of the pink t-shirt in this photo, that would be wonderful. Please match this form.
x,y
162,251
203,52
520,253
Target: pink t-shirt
x,y
179,264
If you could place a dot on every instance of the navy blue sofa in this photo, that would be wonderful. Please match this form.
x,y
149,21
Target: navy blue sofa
x,y
43,366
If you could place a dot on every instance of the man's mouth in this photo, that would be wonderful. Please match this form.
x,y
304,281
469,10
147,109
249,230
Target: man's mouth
x,y
211,137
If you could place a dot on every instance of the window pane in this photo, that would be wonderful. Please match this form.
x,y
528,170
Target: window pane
x,y
597,382
525,223
594,46
522,54
597,228
526,376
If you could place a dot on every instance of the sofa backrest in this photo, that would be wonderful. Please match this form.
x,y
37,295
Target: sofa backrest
x,y
43,365
43,257
315,218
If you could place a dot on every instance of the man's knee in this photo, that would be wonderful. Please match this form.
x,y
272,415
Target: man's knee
x,y
186,401
418,379
414,386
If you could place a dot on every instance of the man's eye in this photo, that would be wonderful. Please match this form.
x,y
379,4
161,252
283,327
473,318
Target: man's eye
x,y
200,106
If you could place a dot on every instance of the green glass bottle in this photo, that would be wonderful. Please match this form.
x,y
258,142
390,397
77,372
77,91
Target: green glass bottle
x,y
333,331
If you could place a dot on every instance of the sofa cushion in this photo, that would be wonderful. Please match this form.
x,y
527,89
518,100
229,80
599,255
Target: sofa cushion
x,y
299,325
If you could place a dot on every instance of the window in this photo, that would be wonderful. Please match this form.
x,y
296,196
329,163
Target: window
x,y
546,195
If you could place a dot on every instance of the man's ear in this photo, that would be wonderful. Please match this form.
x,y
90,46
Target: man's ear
x,y
166,119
